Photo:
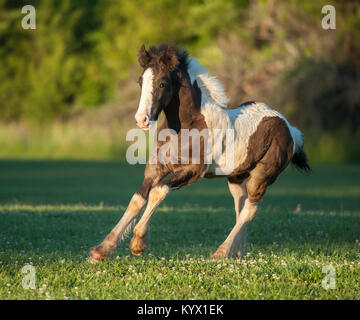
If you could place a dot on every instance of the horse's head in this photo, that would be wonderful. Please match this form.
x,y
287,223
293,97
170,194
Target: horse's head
x,y
157,82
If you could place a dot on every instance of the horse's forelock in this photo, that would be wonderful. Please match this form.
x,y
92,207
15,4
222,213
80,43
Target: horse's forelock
x,y
164,56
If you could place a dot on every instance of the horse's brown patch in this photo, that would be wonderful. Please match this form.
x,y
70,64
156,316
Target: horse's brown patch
x,y
270,150
271,131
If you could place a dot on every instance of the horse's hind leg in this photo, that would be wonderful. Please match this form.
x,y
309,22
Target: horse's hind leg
x,y
263,175
267,169
229,247
237,187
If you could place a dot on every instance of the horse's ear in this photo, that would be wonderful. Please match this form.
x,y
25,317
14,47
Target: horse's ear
x,y
143,57
170,59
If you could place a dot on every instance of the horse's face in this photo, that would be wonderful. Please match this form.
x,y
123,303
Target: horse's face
x,y
156,84
156,93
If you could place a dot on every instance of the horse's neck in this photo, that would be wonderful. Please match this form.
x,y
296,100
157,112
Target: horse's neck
x,y
185,107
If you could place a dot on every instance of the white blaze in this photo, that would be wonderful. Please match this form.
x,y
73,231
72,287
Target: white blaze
x,y
146,93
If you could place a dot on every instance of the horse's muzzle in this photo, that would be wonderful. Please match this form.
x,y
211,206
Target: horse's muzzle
x,y
142,121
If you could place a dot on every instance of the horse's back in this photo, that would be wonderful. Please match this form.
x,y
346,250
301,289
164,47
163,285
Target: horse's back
x,y
248,116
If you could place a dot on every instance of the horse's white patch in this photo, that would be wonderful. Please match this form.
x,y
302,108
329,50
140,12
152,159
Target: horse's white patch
x,y
146,93
243,120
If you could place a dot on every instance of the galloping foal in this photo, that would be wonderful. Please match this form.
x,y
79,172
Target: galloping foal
x,y
264,144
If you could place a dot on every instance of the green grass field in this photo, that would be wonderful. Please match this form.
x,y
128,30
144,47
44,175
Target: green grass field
x,y
52,212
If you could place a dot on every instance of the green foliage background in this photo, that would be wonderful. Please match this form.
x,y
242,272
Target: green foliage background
x,y
80,62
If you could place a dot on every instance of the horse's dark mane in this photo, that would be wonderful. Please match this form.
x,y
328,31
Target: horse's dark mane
x,y
182,54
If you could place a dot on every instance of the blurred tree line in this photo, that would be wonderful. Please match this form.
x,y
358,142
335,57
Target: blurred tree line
x,y
80,49
83,53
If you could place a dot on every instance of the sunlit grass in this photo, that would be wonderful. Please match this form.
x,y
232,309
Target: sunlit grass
x,y
52,213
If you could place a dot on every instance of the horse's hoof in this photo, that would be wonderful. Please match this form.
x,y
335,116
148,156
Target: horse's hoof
x,y
219,254
137,246
97,255
93,260
136,253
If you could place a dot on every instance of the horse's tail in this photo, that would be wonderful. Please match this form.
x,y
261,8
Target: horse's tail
x,y
299,159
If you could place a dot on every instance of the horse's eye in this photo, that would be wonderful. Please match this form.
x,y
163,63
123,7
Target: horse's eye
x,y
162,85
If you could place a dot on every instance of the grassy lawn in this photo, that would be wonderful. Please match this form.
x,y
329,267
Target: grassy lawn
x,y
52,212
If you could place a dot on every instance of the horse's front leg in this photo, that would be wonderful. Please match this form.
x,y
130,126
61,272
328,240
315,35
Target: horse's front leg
x,y
109,244
152,176
156,196
137,243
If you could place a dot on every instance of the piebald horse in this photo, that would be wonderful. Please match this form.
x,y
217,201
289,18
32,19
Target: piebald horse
x,y
264,144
